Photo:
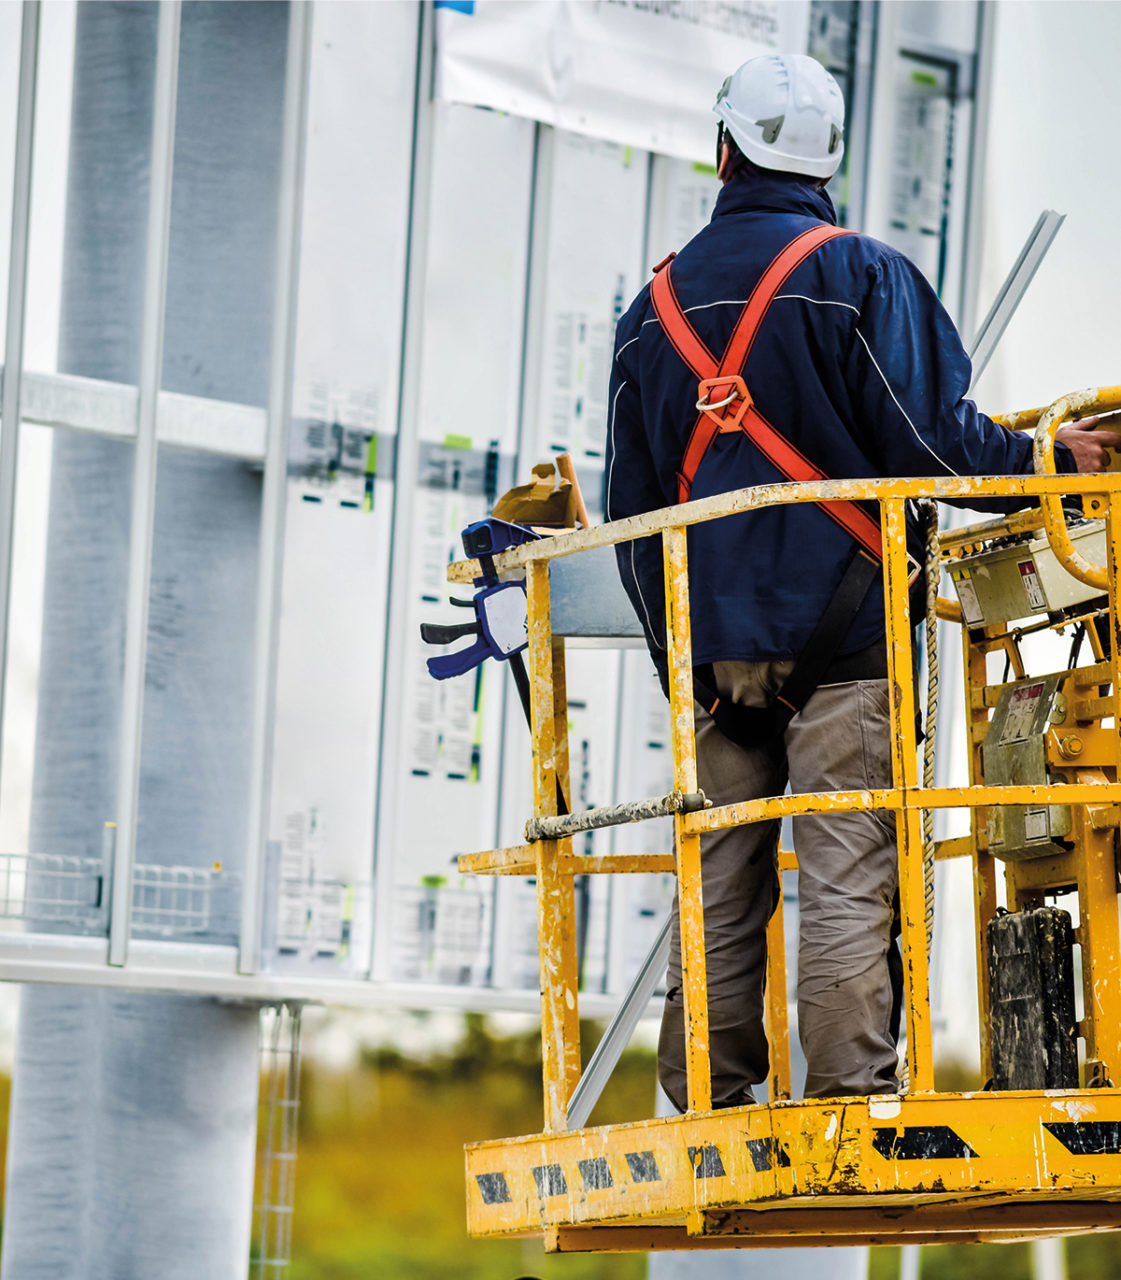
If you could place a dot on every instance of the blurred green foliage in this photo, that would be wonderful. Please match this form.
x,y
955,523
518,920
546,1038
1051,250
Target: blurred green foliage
x,y
380,1177
380,1184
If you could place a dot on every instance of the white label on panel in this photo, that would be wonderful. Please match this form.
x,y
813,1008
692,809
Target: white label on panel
x,y
967,594
1022,708
1037,824
316,914
1030,579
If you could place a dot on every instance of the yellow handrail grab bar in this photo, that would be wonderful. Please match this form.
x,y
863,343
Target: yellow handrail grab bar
x,y
1020,419
1077,404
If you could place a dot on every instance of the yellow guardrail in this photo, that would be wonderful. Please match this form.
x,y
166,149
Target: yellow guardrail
x,y
1079,404
552,860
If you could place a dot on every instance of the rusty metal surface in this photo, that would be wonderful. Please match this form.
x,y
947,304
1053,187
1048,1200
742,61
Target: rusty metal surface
x,y
776,1011
1076,405
724,504
856,1169
679,652
521,860
614,815
556,914
860,1154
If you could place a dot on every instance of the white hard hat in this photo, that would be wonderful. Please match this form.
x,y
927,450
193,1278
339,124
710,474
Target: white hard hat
x,y
785,113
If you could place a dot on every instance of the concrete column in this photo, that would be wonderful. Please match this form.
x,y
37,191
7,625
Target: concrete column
x,y
134,1116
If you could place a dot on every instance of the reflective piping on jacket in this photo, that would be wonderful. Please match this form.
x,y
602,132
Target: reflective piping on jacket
x,y
941,461
607,503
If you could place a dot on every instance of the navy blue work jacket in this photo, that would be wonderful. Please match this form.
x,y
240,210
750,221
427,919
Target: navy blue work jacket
x,y
856,363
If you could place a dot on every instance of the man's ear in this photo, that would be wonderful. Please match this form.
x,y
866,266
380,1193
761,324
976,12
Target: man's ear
x,y
722,172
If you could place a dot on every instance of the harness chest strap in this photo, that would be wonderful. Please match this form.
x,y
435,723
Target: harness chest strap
x,y
724,402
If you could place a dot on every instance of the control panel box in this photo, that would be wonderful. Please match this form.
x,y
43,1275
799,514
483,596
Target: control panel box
x,y
1014,755
1023,578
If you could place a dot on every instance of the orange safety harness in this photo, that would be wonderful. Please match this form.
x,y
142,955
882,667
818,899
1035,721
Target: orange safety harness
x,y
724,405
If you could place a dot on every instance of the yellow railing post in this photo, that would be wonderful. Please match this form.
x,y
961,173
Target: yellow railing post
x,y
904,768
1113,566
694,985
974,663
775,1016
1098,930
556,914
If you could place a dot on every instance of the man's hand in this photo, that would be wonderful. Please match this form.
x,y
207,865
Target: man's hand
x,y
1089,446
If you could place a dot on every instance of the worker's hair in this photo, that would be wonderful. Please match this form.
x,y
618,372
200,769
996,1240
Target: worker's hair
x,y
739,164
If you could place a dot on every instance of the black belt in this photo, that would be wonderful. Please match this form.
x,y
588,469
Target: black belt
x,y
817,664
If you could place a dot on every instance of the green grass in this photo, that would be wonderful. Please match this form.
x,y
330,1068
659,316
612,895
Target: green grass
x,y
380,1189
380,1179
380,1186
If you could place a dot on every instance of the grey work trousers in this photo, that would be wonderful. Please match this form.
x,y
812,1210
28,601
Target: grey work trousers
x,y
847,879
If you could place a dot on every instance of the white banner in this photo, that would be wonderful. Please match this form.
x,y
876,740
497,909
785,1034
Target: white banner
x,y
639,72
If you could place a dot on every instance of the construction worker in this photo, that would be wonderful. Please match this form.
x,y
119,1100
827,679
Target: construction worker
x,y
849,367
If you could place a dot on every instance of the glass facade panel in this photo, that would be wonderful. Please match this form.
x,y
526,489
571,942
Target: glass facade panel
x,y
340,501
84,319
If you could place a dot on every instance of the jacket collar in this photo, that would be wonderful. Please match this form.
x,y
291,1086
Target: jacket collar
x,y
762,192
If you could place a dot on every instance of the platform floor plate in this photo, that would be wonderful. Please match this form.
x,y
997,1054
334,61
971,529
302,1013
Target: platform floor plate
x,y
982,1166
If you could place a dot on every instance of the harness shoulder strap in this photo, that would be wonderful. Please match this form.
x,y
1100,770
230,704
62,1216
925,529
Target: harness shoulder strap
x,y
725,403
772,280
685,339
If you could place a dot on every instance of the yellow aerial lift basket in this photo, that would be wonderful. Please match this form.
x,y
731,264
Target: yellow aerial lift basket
x,y
1044,802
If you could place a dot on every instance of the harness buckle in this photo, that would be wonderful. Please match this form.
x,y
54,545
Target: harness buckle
x,y
729,390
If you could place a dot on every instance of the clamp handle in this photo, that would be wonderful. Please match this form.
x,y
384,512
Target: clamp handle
x,y
447,633
500,630
1077,404
446,665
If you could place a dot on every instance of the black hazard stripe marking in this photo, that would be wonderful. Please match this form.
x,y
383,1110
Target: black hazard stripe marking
x,y
1089,1138
706,1161
550,1180
493,1188
766,1154
596,1174
921,1142
643,1166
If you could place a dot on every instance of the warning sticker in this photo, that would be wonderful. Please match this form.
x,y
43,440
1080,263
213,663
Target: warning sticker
x,y
1036,824
970,605
1022,707
1030,578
